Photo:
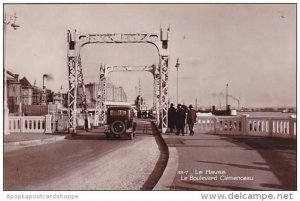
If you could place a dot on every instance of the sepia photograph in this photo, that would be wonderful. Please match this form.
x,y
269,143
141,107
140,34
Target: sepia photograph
x,y
150,97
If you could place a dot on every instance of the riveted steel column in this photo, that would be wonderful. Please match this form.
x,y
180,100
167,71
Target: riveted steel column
x,y
157,79
82,93
164,92
72,76
164,61
101,96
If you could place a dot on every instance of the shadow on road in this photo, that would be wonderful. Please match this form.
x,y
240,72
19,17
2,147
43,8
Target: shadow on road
x,y
237,165
278,153
85,137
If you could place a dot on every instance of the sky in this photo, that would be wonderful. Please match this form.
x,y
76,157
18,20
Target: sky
x,y
250,47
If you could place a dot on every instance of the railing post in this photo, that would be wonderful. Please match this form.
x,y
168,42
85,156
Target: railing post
x,y
48,128
244,125
270,127
292,119
22,124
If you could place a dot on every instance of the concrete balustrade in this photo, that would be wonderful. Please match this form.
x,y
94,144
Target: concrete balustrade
x,y
245,125
27,124
49,123
236,125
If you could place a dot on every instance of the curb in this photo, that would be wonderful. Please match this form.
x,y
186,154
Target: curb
x,y
161,163
166,180
34,142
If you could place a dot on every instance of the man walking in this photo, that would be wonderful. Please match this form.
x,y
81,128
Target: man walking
x,y
171,117
180,120
191,119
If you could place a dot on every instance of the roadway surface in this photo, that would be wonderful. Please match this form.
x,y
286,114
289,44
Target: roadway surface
x,y
85,162
220,162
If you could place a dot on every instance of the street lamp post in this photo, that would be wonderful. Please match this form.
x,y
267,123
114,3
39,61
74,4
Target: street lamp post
x,y
226,96
12,22
177,66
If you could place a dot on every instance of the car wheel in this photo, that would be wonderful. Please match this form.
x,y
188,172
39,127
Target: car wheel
x,y
118,127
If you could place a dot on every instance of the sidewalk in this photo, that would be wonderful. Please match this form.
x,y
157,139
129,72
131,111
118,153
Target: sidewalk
x,y
27,138
15,141
215,162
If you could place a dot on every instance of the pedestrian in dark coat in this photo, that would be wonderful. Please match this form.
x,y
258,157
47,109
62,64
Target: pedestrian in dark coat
x,y
180,120
185,109
191,119
171,117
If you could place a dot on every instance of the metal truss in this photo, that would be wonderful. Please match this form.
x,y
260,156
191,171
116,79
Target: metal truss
x,y
101,97
81,87
110,69
157,93
104,73
120,38
159,40
72,75
164,92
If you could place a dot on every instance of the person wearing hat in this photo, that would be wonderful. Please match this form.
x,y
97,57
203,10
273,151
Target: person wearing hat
x,y
171,117
191,119
180,120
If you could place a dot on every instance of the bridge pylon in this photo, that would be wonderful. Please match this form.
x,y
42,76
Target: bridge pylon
x,y
159,40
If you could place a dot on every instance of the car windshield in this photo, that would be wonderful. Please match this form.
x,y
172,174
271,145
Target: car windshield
x,y
118,112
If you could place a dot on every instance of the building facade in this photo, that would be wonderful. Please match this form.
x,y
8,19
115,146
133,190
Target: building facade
x,y
21,94
113,93
13,92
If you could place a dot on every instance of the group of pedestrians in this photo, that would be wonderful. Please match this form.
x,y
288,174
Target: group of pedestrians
x,y
179,117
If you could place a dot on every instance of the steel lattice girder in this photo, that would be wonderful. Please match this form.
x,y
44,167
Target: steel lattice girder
x,y
101,97
164,92
104,72
82,96
120,38
157,79
72,75
159,40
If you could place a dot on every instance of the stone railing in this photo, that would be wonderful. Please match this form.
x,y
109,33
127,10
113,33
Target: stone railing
x,y
49,123
30,124
245,125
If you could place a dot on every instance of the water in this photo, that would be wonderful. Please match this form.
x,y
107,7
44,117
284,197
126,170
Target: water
x,y
266,114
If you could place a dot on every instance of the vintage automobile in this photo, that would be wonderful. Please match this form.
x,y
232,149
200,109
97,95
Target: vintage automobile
x,y
120,122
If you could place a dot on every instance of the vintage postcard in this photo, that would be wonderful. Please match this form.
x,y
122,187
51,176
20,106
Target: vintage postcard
x,y
149,97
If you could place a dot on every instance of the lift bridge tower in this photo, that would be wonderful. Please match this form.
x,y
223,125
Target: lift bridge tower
x,y
104,74
78,40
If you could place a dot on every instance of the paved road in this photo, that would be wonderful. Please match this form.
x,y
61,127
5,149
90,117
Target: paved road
x,y
84,162
214,162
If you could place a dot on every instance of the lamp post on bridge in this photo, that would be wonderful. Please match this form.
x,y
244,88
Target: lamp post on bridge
x,y
177,67
226,96
12,22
